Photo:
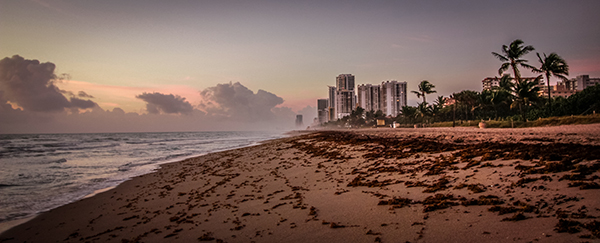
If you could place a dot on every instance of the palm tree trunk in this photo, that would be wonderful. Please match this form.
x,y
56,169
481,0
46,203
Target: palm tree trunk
x,y
495,112
549,97
522,113
517,77
454,114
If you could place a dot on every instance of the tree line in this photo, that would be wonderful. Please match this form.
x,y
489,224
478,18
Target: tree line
x,y
515,98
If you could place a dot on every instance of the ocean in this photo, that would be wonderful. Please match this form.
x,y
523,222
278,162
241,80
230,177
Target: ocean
x,y
39,172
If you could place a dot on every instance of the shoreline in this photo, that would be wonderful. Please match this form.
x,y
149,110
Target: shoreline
x,y
324,188
7,225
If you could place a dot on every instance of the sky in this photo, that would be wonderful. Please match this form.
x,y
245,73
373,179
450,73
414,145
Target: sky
x,y
246,65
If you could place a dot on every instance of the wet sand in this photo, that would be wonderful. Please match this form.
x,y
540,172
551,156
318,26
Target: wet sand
x,y
373,185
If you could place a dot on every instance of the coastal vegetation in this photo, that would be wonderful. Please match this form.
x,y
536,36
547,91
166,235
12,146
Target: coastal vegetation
x,y
552,65
514,102
425,87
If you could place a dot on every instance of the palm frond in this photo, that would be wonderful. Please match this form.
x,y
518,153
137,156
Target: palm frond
x,y
526,50
525,65
500,57
564,78
503,68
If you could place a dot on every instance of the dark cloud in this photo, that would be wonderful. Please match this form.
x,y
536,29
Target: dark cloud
x,y
234,100
169,104
83,94
30,84
118,110
83,104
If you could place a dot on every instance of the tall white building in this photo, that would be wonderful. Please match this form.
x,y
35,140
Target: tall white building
x,y
393,97
368,97
345,99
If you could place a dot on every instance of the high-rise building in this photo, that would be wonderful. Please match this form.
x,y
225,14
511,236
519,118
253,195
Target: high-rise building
x,y
322,110
344,82
584,81
299,122
331,96
345,103
393,97
345,99
368,97
331,108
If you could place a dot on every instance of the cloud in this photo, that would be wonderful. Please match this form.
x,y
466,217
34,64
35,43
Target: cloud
x,y
309,113
233,100
32,102
30,84
157,103
83,104
83,94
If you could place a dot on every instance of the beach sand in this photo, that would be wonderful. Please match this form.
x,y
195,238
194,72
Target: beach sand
x,y
373,185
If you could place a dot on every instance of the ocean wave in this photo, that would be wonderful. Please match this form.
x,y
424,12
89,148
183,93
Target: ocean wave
x,y
93,147
137,142
62,167
177,155
44,139
124,167
13,216
58,145
8,185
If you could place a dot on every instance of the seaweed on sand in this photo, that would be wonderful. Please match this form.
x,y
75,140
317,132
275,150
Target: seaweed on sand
x,y
396,202
439,201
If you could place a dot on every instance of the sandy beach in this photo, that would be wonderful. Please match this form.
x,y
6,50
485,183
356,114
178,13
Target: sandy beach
x,y
373,185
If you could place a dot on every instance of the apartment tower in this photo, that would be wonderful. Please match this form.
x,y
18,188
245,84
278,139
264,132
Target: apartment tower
x,y
345,99
368,97
323,110
331,100
393,97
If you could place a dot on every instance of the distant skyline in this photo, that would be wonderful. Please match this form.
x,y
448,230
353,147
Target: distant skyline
x,y
173,62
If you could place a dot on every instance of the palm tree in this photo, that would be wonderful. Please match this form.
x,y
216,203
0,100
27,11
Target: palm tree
x,y
552,65
437,107
505,84
409,112
425,87
439,102
424,110
503,95
494,98
468,100
525,93
512,58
